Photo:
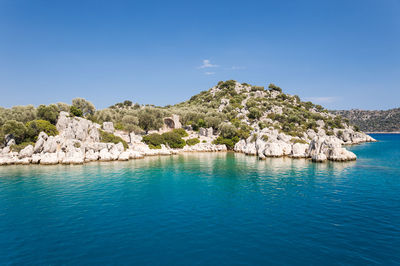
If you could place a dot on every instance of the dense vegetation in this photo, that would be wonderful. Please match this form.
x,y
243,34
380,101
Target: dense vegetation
x,y
173,139
373,121
230,108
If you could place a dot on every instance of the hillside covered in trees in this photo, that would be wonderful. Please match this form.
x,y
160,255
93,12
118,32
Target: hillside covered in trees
x,y
373,120
231,110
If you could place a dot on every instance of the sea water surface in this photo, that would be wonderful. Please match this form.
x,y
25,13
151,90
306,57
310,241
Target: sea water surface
x,y
205,209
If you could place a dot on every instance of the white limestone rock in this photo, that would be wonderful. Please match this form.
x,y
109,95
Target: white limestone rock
x,y
26,152
74,156
91,156
42,138
50,145
124,156
108,127
48,158
319,158
105,155
11,142
299,150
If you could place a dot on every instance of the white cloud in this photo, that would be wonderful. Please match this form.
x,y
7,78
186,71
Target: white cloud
x,y
207,64
209,73
237,67
321,99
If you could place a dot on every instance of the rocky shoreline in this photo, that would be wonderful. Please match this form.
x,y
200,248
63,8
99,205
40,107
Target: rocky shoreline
x,y
78,142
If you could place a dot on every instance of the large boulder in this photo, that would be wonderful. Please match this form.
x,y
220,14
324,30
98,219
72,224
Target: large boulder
x,y
299,150
48,158
74,156
42,138
77,128
277,149
11,142
50,145
323,148
26,152
91,155
108,127
124,156
105,155
133,138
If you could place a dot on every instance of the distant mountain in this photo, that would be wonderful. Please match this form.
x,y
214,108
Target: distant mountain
x,y
373,121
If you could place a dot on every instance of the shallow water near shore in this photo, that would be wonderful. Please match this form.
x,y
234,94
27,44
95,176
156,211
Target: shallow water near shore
x,y
205,208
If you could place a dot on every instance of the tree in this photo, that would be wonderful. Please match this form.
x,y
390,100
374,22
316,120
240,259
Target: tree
x,y
150,118
212,121
49,113
74,111
63,107
254,113
85,106
16,129
228,131
273,87
130,122
33,128
127,103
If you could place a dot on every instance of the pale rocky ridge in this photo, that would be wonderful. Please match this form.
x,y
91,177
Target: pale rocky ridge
x,y
79,139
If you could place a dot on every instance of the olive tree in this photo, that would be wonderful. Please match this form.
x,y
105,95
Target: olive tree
x,y
49,113
85,106
16,129
150,118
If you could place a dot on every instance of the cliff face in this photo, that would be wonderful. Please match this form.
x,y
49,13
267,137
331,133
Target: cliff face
x,y
373,121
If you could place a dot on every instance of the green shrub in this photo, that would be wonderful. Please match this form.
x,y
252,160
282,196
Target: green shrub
x,y
329,133
254,113
33,128
173,140
192,141
2,138
273,87
77,144
153,140
49,113
21,146
265,138
111,138
74,111
294,141
16,129
181,132
119,126
230,143
228,131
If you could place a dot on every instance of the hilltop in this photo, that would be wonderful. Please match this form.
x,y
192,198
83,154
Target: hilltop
x,y
373,120
251,119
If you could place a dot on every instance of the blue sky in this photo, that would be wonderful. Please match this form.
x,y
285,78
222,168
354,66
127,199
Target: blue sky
x,y
341,54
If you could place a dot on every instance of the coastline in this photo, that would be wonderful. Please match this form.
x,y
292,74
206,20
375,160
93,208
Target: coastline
x,y
395,132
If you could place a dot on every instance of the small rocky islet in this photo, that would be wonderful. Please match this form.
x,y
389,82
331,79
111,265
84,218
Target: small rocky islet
x,y
230,116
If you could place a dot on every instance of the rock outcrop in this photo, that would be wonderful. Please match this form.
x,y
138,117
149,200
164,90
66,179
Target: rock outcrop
x,y
271,143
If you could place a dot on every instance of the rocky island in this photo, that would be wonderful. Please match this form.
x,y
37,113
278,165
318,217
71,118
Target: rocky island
x,y
230,116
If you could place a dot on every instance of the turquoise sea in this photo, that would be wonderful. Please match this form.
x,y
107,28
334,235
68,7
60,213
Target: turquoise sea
x,y
205,209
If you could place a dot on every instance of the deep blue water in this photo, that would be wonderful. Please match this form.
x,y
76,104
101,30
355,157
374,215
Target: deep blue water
x,y
205,208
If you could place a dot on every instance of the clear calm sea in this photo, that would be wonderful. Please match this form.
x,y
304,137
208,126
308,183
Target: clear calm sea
x,y
205,209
